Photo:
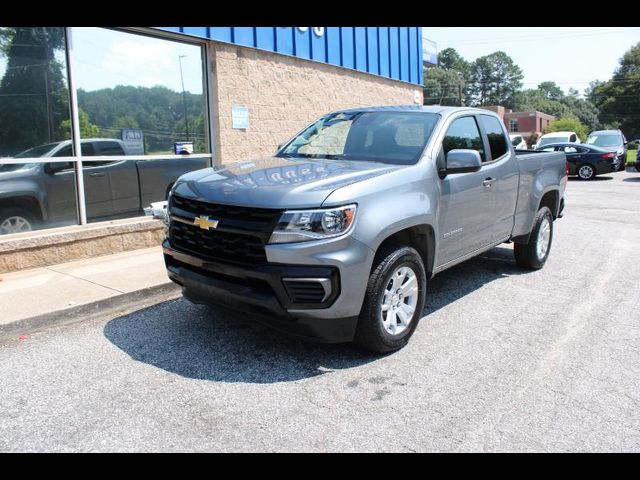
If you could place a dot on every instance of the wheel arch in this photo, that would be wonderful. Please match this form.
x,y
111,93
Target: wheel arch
x,y
420,236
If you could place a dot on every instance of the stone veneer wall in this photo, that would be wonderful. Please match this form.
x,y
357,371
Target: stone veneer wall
x,y
284,94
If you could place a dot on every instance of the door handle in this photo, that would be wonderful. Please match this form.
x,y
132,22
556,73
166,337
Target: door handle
x,y
487,182
97,174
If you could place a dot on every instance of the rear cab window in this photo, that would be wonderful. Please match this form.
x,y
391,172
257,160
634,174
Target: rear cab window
x,y
495,135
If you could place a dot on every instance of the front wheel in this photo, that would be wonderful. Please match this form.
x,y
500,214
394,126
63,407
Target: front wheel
x,y
15,220
534,254
394,300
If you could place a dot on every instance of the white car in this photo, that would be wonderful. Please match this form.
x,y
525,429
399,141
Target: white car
x,y
557,137
518,142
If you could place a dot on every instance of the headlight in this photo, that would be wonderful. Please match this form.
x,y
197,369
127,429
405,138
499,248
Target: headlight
x,y
305,225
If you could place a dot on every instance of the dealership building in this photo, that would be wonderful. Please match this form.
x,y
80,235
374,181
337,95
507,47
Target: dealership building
x,y
94,121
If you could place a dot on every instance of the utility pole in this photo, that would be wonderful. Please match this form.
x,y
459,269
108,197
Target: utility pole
x,y
184,97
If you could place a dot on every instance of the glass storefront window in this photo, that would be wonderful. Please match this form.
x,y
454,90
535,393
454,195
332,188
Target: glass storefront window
x,y
141,100
137,96
34,123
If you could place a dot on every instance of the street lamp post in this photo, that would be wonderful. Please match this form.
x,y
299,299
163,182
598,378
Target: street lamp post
x,y
184,97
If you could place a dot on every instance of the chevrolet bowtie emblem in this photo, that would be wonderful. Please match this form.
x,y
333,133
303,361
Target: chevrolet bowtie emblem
x,y
205,223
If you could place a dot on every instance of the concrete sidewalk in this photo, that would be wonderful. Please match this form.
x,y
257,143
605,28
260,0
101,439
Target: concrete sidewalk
x,y
60,291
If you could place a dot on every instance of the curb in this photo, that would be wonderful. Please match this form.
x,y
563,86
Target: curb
x,y
112,305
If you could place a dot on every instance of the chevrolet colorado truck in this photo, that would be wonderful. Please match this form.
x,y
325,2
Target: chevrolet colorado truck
x,y
337,235
36,195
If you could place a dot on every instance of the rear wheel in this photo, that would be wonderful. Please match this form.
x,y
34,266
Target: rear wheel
x,y
586,171
394,300
534,254
16,220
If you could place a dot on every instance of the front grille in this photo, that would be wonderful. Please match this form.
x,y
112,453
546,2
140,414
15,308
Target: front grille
x,y
304,291
239,237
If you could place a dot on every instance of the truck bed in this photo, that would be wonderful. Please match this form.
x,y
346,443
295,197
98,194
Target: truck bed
x,y
545,170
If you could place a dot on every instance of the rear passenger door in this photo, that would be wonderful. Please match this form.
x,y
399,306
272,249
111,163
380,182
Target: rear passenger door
x,y
501,176
466,204
123,177
97,187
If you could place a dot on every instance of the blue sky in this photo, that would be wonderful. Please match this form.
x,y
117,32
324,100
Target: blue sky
x,y
569,56
106,58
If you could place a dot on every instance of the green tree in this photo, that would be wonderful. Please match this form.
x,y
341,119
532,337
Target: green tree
x,y
33,89
443,87
551,90
619,97
568,124
493,79
450,59
87,129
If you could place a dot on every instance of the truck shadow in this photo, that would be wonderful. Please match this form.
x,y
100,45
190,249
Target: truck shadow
x,y
597,178
207,343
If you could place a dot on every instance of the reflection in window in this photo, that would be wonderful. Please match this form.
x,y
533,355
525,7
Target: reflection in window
x,y
463,134
495,135
34,106
145,91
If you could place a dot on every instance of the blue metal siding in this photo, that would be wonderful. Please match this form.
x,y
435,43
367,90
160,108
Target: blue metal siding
x,y
392,52
404,53
348,52
360,40
334,47
265,38
302,44
319,47
284,40
372,50
244,36
383,48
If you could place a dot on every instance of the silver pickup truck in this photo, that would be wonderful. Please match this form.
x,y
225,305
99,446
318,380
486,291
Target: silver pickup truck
x,y
37,195
336,236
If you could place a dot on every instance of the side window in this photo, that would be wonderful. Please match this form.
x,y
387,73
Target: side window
x,y
64,152
495,135
569,149
463,133
572,138
87,150
549,149
110,148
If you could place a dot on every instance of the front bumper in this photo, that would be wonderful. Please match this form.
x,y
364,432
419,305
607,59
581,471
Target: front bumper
x,y
260,291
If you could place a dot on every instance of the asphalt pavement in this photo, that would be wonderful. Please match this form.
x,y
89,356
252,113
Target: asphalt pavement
x,y
503,360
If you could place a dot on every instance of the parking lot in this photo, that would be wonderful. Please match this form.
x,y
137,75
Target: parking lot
x,y
503,360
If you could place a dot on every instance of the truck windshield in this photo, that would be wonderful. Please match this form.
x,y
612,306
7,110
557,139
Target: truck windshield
x,y
389,137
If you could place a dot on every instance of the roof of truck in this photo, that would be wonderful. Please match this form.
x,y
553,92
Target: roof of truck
x,y
404,108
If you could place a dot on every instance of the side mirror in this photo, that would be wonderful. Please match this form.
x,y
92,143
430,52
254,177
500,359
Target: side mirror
x,y
55,167
463,161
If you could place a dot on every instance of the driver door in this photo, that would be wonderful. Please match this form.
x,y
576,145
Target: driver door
x,y
467,206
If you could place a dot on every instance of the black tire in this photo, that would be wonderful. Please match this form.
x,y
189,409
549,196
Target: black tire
x,y
637,167
371,333
586,166
16,212
527,253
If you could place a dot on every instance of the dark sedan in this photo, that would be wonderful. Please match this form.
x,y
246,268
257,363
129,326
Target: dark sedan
x,y
585,161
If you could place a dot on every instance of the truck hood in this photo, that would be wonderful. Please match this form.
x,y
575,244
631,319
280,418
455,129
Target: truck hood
x,y
276,182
